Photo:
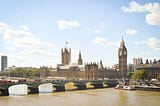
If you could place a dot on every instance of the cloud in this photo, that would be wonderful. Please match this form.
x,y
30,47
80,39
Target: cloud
x,y
131,31
96,29
26,43
103,42
152,42
151,10
3,26
146,53
10,48
62,24
25,27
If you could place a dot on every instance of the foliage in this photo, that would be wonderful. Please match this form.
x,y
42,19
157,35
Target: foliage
x,y
140,74
134,76
129,75
21,72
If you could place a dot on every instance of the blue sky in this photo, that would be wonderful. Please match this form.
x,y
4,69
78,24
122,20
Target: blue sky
x,y
32,32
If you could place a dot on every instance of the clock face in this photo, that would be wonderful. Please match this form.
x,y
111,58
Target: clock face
x,y
120,53
125,53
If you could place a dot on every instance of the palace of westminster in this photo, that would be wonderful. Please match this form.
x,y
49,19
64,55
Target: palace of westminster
x,y
94,70
89,70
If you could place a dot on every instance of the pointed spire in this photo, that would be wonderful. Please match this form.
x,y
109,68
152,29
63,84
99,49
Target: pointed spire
x,y
80,62
101,64
79,53
122,42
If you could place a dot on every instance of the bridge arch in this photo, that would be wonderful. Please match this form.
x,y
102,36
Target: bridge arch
x,y
19,89
70,86
105,85
89,85
45,88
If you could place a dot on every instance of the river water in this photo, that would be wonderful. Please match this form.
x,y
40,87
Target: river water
x,y
94,97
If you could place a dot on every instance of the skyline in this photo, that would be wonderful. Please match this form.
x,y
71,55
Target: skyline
x,y
32,33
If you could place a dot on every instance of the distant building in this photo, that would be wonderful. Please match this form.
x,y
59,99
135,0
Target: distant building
x,y
101,65
153,69
66,56
131,68
91,70
137,61
122,54
3,62
80,61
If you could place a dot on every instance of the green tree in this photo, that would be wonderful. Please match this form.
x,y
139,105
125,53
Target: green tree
x,y
134,76
140,74
21,72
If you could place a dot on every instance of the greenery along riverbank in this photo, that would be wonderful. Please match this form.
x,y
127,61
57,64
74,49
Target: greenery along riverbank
x,y
21,72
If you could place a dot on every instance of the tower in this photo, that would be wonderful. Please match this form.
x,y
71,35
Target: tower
x,y
3,62
80,62
91,71
122,54
66,56
101,65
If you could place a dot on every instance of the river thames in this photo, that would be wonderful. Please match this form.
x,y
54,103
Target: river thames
x,y
94,97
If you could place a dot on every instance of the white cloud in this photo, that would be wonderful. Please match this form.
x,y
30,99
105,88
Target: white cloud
x,y
25,27
152,11
10,48
140,42
103,42
27,44
96,29
146,53
3,26
131,31
152,42
62,24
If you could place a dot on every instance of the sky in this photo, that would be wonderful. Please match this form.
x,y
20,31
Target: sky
x,y
32,32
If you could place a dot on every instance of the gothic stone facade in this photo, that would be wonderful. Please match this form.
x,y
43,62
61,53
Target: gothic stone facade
x,y
66,56
91,72
122,54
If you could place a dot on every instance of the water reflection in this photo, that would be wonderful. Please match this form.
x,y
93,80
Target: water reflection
x,y
123,97
95,97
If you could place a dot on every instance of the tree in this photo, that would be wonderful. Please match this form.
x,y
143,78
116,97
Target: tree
x,y
21,72
134,76
140,74
129,75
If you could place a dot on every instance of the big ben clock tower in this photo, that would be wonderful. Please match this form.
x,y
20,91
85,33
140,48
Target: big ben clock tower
x,y
122,54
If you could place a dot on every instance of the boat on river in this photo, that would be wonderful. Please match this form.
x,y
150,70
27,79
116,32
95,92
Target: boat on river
x,y
123,87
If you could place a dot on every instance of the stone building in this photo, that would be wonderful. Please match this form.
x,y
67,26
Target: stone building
x,y
90,71
122,56
101,65
153,69
80,61
137,61
44,72
66,56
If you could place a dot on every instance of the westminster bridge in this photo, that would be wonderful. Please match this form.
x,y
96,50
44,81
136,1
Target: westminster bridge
x,y
53,86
